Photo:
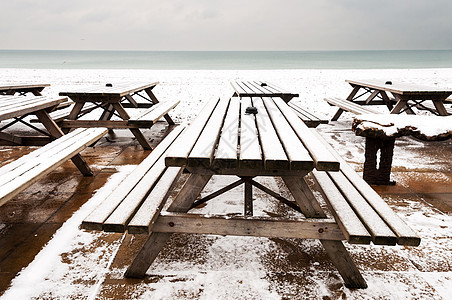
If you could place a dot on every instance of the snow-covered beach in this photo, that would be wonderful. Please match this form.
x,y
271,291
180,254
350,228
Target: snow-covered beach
x,y
236,267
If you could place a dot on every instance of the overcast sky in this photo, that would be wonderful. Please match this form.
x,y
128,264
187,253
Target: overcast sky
x,y
226,25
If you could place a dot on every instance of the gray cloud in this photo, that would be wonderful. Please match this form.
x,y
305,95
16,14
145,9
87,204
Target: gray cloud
x,y
226,25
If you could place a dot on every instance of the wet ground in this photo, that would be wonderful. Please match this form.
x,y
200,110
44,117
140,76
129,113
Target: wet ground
x,y
29,221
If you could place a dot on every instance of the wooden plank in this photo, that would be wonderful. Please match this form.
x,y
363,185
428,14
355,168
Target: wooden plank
x,y
244,226
324,160
250,151
29,106
155,112
273,152
297,153
203,151
184,200
380,232
146,215
46,165
226,155
350,106
97,217
238,89
178,153
406,236
350,224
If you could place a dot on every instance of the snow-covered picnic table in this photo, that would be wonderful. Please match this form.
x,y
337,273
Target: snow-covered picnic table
x,y
248,138
381,130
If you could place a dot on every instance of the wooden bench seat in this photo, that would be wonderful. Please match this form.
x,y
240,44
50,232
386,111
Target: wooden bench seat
x,y
360,212
23,172
136,200
346,105
144,119
310,119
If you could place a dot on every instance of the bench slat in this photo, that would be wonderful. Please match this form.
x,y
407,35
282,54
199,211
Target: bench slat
x,y
144,218
351,226
250,152
155,112
350,106
118,219
48,163
97,217
226,156
324,159
202,153
178,153
273,152
298,155
381,233
405,235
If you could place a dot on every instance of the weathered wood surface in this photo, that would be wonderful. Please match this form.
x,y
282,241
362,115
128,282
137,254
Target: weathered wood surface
x,y
23,172
401,88
310,119
15,106
350,106
132,191
260,89
227,136
357,188
22,88
116,90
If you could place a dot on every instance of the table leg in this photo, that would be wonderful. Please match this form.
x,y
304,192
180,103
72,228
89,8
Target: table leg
x,y
135,131
155,100
386,100
248,199
349,98
382,174
439,105
56,132
335,249
37,92
151,248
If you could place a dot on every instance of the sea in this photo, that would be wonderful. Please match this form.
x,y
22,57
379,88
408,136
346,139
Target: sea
x,y
225,60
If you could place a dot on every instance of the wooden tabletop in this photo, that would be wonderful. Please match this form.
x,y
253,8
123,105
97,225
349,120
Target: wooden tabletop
x,y
259,89
401,88
225,136
116,89
15,106
17,86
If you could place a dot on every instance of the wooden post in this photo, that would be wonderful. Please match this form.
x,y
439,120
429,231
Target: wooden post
x,y
380,174
335,249
248,199
151,248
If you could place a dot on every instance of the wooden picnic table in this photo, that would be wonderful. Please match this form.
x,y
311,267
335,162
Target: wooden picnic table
x,y
406,96
16,108
22,88
227,140
113,99
260,89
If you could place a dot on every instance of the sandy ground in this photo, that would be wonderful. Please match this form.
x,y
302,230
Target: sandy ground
x,y
45,255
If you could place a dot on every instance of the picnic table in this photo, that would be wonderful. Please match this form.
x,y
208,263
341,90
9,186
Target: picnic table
x,y
229,138
16,109
266,89
260,89
406,96
22,88
113,99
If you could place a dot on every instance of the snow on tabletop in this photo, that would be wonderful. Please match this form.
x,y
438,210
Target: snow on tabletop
x,y
395,125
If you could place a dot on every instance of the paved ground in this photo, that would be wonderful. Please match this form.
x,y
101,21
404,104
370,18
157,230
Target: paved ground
x,y
28,222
